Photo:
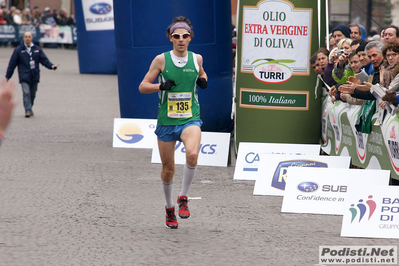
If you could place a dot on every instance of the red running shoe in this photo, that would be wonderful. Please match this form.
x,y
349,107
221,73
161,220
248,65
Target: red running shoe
x,y
184,212
171,221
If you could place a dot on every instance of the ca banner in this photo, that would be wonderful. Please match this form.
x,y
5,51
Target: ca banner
x,y
277,98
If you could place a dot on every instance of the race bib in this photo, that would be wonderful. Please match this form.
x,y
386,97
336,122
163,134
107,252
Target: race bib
x,y
179,105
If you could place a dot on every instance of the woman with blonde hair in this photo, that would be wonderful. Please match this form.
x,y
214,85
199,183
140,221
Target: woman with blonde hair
x,y
342,70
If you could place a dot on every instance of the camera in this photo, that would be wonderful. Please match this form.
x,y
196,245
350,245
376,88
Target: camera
x,y
340,52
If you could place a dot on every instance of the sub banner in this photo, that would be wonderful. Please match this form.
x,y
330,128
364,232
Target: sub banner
x,y
324,190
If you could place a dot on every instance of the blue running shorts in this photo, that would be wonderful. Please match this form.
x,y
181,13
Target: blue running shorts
x,y
172,133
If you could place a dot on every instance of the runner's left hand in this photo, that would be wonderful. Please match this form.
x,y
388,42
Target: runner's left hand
x,y
202,83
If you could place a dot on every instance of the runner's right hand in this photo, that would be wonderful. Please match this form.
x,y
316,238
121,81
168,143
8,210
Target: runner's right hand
x,y
167,85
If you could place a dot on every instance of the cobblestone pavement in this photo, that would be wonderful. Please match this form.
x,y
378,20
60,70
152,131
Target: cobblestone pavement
x,y
68,198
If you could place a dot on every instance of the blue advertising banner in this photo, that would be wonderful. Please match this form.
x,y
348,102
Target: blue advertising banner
x,y
7,33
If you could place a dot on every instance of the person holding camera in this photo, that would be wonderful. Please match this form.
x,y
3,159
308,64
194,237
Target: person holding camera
x,y
342,70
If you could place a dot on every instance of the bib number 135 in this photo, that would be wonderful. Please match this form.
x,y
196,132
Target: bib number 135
x,y
182,106
179,105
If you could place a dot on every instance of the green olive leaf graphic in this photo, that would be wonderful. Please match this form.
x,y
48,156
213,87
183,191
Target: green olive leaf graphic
x,y
273,62
270,60
267,59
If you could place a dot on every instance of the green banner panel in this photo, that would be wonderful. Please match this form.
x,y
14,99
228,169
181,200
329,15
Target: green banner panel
x,y
377,150
276,96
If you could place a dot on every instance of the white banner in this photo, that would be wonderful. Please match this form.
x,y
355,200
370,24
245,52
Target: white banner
x,y
134,133
250,153
273,174
214,150
269,28
98,14
372,211
55,34
324,190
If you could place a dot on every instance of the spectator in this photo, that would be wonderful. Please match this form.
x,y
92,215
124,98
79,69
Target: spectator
x,y
36,17
356,32
2,19
62,17
315,64
322,57
26,16
342,70
72,22
55,15
17,17
327,74
340,32
360,74
355,44
374,52
364,59
331,42
47,17
8,15
389,78
391,34
382,36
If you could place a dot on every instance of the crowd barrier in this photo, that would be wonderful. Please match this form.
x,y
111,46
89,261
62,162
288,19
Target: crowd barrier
x,y
377,150
41,34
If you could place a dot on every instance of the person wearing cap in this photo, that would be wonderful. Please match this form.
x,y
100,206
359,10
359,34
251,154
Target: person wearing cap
x,y
27,57
179,72
48,17
364,59
340,32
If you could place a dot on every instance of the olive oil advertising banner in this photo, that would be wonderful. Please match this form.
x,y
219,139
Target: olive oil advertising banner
x,y
277,96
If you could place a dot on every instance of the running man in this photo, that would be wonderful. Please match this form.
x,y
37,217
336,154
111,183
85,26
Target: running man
x,y
178,72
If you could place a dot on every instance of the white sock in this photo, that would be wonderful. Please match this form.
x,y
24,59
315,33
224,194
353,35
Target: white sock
x,y
167,191
188,176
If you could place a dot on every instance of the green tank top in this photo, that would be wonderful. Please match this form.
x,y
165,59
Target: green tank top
x,y
179,105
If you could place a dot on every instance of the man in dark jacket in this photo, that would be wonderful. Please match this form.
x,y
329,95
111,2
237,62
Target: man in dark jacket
x,y
27,57
374,52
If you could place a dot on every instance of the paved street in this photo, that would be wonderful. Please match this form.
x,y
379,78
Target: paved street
x,y
68,198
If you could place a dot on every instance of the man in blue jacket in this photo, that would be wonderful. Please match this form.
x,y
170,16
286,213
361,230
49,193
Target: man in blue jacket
x,y
27,57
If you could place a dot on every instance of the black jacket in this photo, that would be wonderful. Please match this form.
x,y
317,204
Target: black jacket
x,y
21,58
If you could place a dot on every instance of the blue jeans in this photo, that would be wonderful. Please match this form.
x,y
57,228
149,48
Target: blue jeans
x,y
29,95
